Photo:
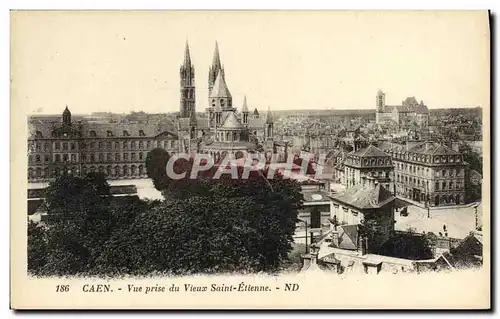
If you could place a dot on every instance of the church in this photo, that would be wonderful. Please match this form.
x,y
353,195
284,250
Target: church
x,y
410,113
224,128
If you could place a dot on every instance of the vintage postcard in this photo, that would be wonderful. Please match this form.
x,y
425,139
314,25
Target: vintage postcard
x,y
250,160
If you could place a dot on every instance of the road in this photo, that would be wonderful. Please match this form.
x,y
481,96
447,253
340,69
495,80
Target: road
x,y
459,222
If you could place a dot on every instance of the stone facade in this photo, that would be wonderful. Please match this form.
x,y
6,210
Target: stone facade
x,y
429,173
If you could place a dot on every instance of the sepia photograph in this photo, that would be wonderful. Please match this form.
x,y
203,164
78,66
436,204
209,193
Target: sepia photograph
x,y
250,159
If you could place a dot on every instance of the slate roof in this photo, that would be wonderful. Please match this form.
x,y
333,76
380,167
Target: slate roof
x,y
312,196
432,148
220,87
348,237
231,122
370,151
364,196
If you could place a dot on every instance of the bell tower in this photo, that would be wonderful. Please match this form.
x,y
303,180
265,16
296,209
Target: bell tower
x,y
188,98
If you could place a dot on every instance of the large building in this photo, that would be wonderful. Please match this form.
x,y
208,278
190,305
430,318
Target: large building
x,y
118,150
366,165
429,173
410,113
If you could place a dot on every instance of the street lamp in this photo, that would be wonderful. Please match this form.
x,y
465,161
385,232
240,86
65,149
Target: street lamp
x,y
305,224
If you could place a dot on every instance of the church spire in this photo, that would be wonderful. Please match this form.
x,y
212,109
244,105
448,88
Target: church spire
x,y
216,59
214,70
244,108
187,56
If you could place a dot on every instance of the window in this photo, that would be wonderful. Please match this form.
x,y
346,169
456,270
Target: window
x,y
140,156
117,157
46,158
92,145
92,157
73,146
38,134
109,145
65,157
93,134
141,144
132,156
117,145
37,159
109,133
125,133
109,157
451,185
101,157
125,145
437,186
73,158
100,145
148,144
141,133
57,145
125,156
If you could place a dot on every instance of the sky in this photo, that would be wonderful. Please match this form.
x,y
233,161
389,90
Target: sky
x,y
129,61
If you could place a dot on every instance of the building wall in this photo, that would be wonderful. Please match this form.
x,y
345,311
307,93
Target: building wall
x,y
116,157
415,181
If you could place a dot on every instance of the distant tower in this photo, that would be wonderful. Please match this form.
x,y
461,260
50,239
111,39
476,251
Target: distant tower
x,y
380,103
244,111
213,72
188,98
269,125
66,116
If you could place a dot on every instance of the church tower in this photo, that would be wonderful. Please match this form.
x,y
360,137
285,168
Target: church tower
x,y
380,103
213,71
188,98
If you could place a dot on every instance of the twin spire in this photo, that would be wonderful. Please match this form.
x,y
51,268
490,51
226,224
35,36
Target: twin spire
x,y
218,86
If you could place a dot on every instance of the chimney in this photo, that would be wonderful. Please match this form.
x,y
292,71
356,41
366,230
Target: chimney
x,y
335,238
314,254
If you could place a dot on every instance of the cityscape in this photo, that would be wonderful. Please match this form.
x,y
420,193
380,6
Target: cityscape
x,y
387,189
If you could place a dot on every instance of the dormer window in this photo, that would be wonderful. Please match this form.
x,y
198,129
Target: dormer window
x,y
109,133
125,133
141,133
93,134
213,102
221,102
38,134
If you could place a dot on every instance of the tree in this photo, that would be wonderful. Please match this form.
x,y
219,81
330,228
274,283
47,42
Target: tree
x,y
37,247
156,163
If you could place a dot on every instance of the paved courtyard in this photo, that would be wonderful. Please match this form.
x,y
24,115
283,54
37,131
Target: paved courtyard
x,y
459,221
